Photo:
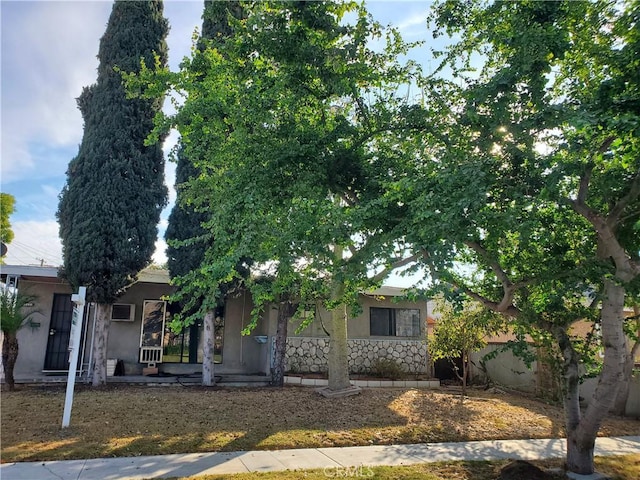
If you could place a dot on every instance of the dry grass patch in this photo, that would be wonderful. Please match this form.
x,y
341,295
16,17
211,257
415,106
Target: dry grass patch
x,y
137,420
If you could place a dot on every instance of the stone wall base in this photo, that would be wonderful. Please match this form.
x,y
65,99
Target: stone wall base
x,y
309,355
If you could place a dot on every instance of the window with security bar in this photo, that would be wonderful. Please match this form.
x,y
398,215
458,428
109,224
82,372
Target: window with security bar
x,y
394,322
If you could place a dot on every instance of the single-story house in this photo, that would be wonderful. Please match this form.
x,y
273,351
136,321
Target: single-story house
x,y
140,335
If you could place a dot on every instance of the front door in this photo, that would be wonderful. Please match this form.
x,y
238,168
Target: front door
x,y
57,356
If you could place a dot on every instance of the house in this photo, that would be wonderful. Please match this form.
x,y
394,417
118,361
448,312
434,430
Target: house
x,y
387,327
140,335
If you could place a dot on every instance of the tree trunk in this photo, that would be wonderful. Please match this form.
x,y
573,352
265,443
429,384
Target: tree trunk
x,y
581,437
580,452
338,346
578,455
285,312
100,341
465,368
9,357
208,349
620,403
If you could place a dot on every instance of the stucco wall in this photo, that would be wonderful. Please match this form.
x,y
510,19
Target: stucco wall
x,y
241,354
587,388
32,341
357,326
124,337
505,369
508,370
307,349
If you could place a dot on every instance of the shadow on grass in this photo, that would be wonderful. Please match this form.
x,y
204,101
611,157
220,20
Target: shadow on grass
x,y
121,421
130,421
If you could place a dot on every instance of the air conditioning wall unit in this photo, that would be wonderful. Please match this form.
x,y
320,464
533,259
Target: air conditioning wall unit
x,y
123,312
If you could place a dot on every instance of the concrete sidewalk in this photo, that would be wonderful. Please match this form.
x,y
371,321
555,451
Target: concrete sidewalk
x,y
330,459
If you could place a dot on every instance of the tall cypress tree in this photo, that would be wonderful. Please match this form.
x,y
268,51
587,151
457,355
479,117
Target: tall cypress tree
x,y
185,224
110,206
186,238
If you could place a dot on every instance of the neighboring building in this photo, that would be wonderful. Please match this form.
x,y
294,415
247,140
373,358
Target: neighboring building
x,y
511,371
140,335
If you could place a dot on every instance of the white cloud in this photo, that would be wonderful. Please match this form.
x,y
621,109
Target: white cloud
x,y
414,24
159,256
43,74
35,243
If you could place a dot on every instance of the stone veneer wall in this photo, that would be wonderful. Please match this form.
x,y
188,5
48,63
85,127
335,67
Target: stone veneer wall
x,y
309,354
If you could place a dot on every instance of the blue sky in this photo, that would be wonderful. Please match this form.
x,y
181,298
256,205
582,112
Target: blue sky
x,y
48,53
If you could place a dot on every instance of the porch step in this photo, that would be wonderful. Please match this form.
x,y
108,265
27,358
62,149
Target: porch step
x,y
232,380
236,380
243,380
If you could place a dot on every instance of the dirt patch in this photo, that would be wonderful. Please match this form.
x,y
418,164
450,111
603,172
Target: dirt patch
x,y
145,420
520,470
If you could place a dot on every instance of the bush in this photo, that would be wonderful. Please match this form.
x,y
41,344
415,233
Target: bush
x,y
387,368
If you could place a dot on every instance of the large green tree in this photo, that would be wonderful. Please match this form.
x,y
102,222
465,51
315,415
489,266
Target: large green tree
x,y
293,164
531,177
7,206
187,239
110,206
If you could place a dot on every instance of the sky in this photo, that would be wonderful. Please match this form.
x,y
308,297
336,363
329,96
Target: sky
x,y
48,54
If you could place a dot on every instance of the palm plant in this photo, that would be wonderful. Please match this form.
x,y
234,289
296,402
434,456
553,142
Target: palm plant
x,y
13,317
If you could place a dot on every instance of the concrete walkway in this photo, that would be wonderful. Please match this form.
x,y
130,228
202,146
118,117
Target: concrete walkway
x,y
332,460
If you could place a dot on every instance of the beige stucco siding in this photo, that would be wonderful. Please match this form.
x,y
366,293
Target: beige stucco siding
x,y
124,337
33,340
358,326
241,353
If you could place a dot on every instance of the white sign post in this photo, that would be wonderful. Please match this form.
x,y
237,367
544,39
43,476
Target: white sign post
x,y
74,347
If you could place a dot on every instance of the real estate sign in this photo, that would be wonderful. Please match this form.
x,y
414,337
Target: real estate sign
x,y
78,300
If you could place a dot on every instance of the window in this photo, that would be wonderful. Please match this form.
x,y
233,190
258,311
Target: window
x,y
394,322
186,346
123,312
152,328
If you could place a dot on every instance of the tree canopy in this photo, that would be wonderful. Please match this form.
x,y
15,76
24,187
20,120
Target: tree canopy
x,y
292,124
515,177
533,177
7,206
110,206
186,238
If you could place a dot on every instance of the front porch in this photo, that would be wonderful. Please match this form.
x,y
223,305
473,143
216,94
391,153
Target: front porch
x,y
161,379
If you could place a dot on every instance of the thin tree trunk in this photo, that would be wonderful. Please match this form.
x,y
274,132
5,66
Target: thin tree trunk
x,y
620,404
9,357
577,454
338,347
581,437
465,368
208,349
100,342
285,311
